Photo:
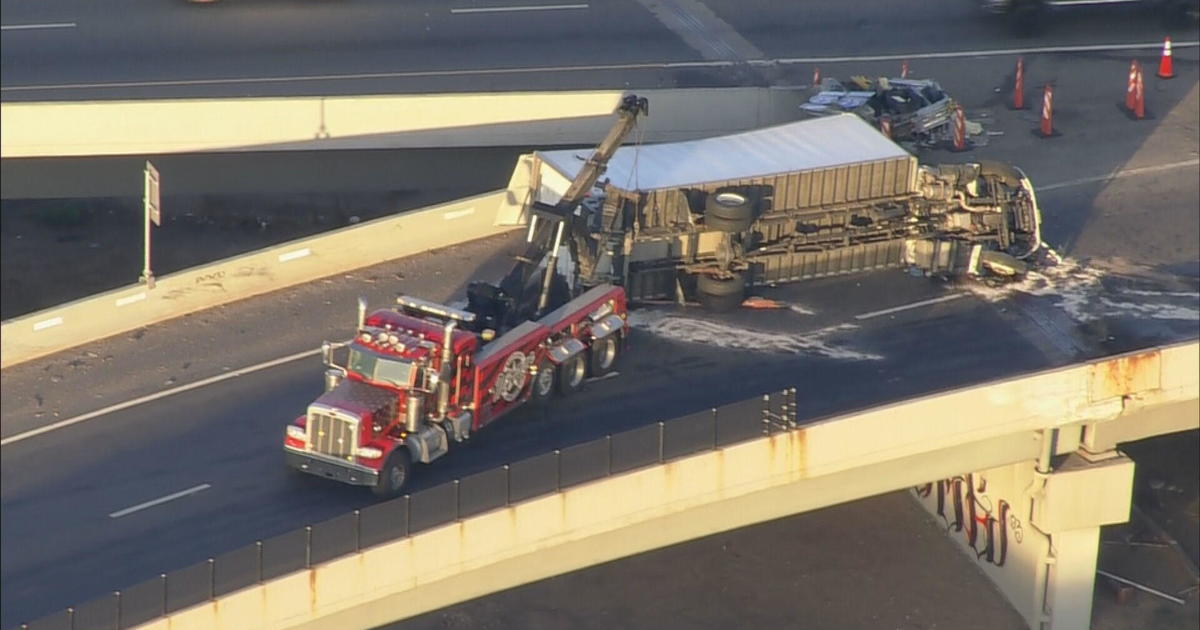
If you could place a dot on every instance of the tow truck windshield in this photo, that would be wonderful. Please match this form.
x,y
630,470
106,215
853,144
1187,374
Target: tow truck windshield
x,y
383,370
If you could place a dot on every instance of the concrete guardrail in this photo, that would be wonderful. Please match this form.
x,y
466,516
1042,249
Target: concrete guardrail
x,y
296,262
840,459
359,122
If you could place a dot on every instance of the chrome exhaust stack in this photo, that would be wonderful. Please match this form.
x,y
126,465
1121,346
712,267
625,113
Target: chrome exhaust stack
x,y
443,393
413,411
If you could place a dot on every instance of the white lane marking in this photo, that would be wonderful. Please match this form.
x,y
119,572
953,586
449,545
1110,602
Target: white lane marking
x,y
1118,174
458,214
543,7
299,253
157,395
905,307
659,65
33,27
47,323
603,378
159,501
994,52
130,299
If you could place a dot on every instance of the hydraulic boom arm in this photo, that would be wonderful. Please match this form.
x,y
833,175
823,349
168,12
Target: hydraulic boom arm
x,y
512,301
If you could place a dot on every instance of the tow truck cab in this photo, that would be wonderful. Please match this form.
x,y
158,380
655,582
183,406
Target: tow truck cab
x,y
400,370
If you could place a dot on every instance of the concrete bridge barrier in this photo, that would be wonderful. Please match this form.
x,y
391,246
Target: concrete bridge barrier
x,y
1033,525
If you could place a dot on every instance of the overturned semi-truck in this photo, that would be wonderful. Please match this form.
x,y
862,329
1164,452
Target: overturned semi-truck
x,y
709,219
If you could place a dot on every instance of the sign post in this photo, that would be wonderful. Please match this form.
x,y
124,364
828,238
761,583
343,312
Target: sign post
x,y
152,204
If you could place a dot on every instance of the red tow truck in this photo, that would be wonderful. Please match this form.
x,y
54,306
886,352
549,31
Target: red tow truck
x,y
416,382
422,376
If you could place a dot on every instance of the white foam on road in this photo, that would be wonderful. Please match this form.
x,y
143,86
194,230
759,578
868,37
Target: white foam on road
x,y
1177,294
1080,292
1154,311
721,335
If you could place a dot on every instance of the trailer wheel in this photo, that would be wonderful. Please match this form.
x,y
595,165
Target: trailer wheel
x,y
394,474
729,210
721,294
543,382
571,374
604,354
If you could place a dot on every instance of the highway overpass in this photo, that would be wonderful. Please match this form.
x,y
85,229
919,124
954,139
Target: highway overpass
x,y
216,431
1030,473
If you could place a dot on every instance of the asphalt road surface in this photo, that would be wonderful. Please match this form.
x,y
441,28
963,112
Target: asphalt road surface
x,y
65,538
73,49
1119,198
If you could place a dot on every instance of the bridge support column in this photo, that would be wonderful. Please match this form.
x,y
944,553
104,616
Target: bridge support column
x,y
1034,533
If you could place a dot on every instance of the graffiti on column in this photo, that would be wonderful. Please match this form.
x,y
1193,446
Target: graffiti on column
x,y
965,507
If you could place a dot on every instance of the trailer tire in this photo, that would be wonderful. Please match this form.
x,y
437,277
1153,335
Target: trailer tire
x,y
542,386
721,294
571,374
729,210
394,474
604,354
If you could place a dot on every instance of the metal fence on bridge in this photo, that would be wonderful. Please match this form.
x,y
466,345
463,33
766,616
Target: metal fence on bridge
x,y
410,514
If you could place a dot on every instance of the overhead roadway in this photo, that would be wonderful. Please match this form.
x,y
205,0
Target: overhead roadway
x,y
57,129
1014,437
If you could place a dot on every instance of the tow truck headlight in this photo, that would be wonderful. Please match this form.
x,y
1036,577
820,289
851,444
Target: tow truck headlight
x,y
369,452
297,433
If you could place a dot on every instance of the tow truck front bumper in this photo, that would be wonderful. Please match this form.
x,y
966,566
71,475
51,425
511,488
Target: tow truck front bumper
x,y
330,467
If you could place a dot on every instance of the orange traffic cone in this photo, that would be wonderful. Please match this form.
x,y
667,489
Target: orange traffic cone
x,y
1166,67
1018,96
1046,128
1139,96
1131,86
817,77
904,69
960,129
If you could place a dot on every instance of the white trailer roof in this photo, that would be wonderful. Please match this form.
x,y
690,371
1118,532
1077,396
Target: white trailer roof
x,y
805,145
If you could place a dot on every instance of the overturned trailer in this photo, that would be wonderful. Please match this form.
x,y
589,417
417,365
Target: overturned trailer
x,y
707,219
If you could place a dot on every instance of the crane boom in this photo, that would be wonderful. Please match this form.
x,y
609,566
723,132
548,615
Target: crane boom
x,y
513,299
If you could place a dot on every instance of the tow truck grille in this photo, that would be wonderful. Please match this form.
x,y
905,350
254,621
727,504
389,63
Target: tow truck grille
x,y
331,435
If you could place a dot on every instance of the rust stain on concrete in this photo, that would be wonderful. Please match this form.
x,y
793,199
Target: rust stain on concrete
x,y
791,450
1126,375
671,479
312,590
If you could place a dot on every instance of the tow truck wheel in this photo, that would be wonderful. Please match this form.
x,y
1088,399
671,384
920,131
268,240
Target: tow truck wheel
x,y
543,382
721,294
394,474
571,374
604,354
